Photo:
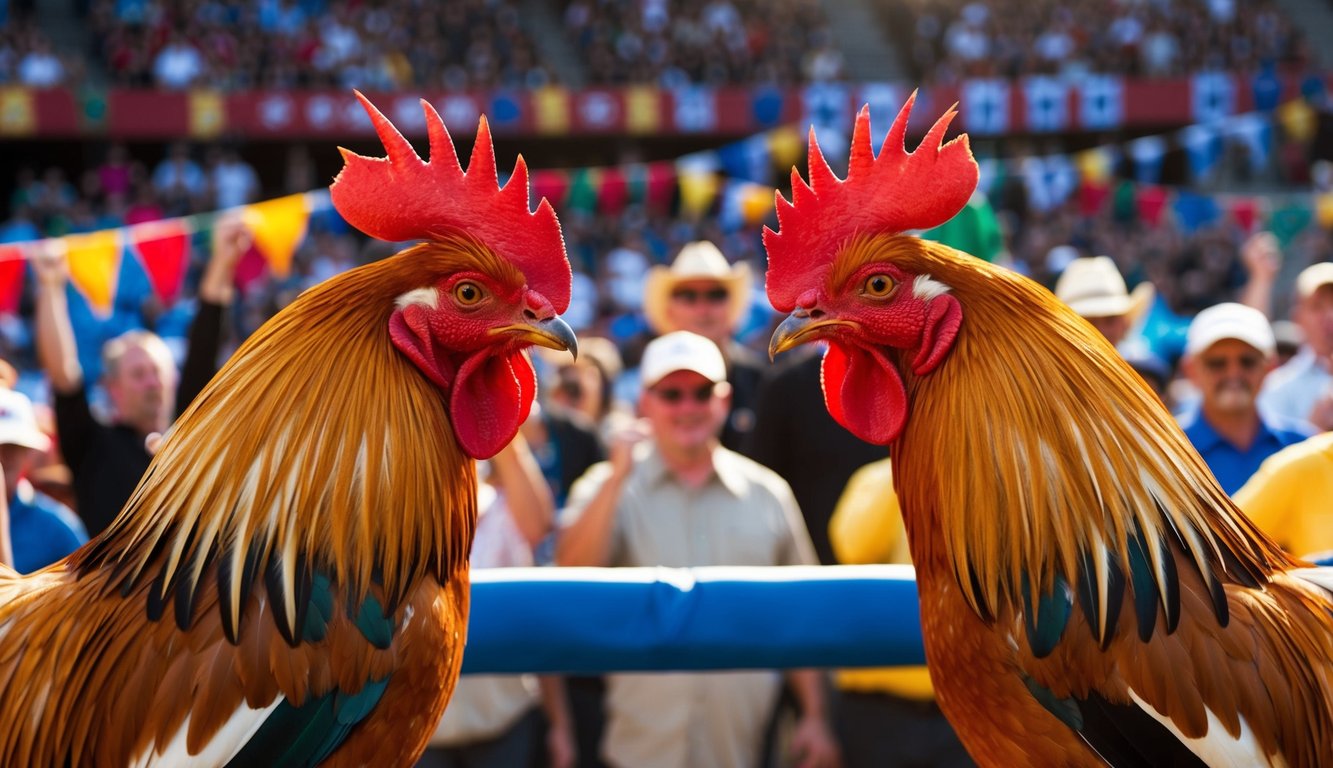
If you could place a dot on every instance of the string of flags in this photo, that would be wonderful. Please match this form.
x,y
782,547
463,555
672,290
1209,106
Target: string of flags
x,y
735,182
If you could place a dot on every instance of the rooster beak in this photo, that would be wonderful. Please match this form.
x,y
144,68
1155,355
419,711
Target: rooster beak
x,y
795,330
550,332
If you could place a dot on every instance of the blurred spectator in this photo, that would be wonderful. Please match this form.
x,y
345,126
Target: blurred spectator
x,y
672,496
40,67
887,718
232,180
495,721
1303,388
703,294
178,180
41,529
140,377
1094,289
1288,497
1229,351
178,64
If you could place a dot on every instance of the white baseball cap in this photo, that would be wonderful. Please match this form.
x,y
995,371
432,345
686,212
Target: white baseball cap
x,y
681,351
1313,277
1230,321
18,422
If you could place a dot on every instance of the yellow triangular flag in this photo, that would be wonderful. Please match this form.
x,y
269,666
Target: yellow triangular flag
x,y
756,203
786,146
1094,165
697,191
278,226
94,266
1323,209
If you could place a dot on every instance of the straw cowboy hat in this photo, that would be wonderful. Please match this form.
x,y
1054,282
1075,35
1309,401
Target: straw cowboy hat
x,y
700,260
1093,287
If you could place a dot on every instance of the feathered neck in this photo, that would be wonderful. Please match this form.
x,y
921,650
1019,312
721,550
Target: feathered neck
x,y
1035,448
318,446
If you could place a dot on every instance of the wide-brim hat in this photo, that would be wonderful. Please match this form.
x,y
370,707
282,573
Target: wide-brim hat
x,y
700,260
1093,287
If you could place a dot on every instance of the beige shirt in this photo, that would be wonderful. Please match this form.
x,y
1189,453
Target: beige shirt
x,y
743,515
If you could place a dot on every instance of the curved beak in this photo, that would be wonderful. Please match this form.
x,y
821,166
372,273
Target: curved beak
x,y
552,333
797,329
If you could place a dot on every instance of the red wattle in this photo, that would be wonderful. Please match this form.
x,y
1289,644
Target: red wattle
x,y
864,393
491,397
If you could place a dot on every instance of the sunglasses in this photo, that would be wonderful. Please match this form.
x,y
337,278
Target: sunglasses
x,y
1220,364
674,395
694,296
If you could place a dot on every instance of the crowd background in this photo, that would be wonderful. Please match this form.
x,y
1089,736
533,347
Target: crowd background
x,y
52,189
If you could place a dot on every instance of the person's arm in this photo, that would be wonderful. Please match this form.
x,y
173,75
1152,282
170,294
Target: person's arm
x,y
1262,259
6,541
520,480
561,746
56,347
586,540
231,239
812,742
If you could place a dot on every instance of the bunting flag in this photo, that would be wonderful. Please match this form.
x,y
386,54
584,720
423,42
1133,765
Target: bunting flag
x,y
613,192
278,226
583,190
18,114
552,185
11,278
1212,96
1298,120
1151,202
162,247
1203,148
551,109
1323,210
208,114
1147,154
884,100
1101,102
94,263
643,110
1096,165
1092,196
697,191
1047,103
661,186
1244,211
786,147
985,106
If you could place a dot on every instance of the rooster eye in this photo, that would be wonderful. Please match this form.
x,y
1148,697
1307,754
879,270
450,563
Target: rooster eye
x,y
879,286
467,293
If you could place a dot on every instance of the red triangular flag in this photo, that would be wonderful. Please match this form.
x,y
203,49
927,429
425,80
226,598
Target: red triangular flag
x,y
11,278
614,192
1151,202
1092,196
661,185
1245,212
552,185
162,247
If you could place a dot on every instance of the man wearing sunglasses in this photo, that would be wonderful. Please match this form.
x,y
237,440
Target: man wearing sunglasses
x,y
700,292
1229,349
671,495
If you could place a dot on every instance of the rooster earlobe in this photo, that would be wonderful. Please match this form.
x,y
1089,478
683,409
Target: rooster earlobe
x,y
944,317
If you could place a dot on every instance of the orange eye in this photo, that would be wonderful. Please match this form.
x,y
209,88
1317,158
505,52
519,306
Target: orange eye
x,y
468,293
878,286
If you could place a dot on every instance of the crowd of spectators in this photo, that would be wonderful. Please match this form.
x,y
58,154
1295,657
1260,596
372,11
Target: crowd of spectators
x,y
315,44
28,57
703,41
955,39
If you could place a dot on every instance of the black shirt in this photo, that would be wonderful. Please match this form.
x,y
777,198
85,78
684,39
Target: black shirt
x,y
108,460
795,436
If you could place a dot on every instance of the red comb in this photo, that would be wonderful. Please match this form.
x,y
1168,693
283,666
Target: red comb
x,y
401,197
893,192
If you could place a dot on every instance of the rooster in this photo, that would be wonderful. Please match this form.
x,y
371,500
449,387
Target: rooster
x,y
288,585
1089,595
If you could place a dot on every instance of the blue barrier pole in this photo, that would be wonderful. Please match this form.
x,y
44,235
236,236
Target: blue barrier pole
x,y
597,620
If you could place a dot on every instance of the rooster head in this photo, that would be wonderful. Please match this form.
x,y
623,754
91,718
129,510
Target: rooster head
x,y
489,279
842,267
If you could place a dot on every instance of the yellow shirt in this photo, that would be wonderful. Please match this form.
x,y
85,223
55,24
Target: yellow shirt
x,y
866,528
1291,496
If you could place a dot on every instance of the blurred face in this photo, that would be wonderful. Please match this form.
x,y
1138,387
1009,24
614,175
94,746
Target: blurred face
x,y
16,460
1315,316
142,389
686,411
700,306
1113,328
1228,375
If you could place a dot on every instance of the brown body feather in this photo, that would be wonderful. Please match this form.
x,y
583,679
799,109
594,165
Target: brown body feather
x,y
1035,447
318,447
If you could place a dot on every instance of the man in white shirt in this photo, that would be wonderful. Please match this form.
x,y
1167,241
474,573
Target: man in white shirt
x,y
1302,389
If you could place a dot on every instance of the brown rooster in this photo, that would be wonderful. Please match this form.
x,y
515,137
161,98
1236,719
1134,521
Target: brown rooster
x,y
1089,595
288,584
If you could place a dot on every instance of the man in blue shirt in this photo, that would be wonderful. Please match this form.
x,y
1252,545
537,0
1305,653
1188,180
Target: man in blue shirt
x,y
1229,349
41,529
